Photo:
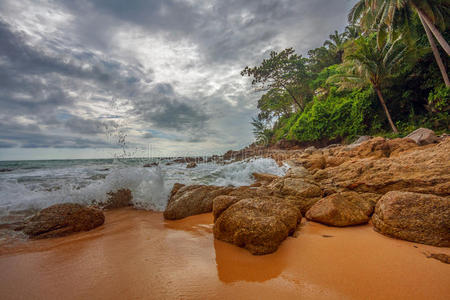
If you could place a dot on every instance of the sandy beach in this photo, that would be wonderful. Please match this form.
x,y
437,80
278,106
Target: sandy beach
x,y
138,255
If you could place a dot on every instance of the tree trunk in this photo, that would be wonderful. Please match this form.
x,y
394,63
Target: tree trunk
x,y
388,115
436,53
435,31
293,97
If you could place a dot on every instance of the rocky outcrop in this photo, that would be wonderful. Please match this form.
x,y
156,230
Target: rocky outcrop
x,y
419,169
63,219
343,209
414,217
118,199
256,224
423,136
192,200
336,186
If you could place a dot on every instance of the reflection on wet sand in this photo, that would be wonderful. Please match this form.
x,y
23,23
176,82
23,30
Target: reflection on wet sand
x,y
235,264
138,255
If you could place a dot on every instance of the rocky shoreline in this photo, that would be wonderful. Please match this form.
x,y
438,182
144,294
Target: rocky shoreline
x,y
400,186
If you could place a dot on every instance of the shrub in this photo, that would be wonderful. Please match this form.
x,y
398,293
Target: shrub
x,y
341,114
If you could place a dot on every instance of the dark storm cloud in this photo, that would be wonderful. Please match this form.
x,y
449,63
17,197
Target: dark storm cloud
x,y
226,30
88,126
28,136
36,84
53,74
165,109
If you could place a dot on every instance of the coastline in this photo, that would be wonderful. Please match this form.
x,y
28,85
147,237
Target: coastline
x,y
136,254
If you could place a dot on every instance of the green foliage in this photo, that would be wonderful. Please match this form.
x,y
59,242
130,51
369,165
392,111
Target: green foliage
x,y
340,115
262,134
439,99
383,54
282,71
321,80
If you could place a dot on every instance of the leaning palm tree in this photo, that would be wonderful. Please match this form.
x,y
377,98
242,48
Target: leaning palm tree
x,y
374,63
336,44
384,13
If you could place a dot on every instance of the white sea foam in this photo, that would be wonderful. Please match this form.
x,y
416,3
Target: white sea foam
x,y
240,173
150,186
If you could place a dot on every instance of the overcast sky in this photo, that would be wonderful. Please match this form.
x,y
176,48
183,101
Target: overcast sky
x,y
75,76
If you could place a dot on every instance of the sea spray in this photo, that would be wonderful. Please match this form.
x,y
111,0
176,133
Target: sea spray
x,y
36,188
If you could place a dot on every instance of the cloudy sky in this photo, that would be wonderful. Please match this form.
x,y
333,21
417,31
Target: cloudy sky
x,y
78,78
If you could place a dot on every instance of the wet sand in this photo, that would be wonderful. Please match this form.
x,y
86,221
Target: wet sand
x,y
138,255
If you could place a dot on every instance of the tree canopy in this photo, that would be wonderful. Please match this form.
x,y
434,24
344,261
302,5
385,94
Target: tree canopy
x,y
384,75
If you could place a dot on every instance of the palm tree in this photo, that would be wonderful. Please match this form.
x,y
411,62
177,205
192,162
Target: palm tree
x,y
372,63
336,44
382,13
352,32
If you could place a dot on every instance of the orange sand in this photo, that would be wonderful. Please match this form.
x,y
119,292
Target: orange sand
x,y
138,255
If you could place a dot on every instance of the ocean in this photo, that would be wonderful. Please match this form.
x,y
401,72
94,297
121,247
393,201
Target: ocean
x,y
28,186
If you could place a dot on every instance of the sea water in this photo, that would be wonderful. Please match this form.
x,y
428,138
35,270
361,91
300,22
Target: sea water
x,y
33,185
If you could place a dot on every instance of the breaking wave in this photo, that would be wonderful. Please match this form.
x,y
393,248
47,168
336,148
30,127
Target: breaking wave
x,y
150,186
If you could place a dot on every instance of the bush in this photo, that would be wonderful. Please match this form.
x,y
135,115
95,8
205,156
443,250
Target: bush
x,y
439,99
340,115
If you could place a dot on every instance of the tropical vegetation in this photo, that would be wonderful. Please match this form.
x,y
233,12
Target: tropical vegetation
x,y
386,74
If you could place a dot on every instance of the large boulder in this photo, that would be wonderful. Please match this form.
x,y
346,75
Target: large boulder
x,y
423,136
420,169
63,219
342,209
118,199
257,224
192,200
414,217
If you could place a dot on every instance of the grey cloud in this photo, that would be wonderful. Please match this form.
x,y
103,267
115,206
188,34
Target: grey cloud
x,y
226,30
4,144
45,77
29,136
88,126
165,109
39,86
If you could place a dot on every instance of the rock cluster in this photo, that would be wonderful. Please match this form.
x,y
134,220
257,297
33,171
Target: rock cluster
x,y
402,185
